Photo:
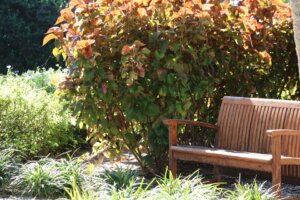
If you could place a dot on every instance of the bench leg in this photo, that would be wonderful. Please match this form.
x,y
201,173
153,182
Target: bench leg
x,y
172,164
217,173
276,179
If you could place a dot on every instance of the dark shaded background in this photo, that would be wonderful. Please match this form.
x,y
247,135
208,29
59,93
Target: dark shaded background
x,y
22,27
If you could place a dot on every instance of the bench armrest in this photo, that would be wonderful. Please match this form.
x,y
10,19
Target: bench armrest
x,y
170,122
172,125
283,132
276,147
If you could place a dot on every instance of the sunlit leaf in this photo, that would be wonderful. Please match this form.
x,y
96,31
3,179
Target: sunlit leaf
x,y
84,43
49,37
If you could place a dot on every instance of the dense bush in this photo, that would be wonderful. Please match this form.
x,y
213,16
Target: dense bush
x,y
22,27
33,120
134,63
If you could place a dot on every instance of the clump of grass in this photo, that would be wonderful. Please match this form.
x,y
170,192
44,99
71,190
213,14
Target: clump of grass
x,y
71,171
166,187
9,162
134,191
120,178
39,178
190,187
253,191
78,193
47,177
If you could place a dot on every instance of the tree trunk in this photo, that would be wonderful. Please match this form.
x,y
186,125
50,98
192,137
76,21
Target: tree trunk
x,y
295,5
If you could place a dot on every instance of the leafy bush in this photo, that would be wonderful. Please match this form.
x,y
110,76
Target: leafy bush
x,y
32,120
47,80
134,63
22,27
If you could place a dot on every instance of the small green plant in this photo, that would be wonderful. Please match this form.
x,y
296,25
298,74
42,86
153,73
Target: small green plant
x,y
120,178
48,177
39,178
134,191
9,162
71,170
253,191
190,187
77,193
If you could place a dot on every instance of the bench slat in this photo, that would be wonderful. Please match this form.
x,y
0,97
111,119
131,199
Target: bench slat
x,y
222,161
222,153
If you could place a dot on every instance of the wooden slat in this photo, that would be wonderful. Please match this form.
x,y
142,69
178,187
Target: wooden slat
x,y
261,102
290,161
291,143
223,153
244,128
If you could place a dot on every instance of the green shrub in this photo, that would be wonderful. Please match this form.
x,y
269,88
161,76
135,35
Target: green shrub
x,y
32,120
134,63
47,80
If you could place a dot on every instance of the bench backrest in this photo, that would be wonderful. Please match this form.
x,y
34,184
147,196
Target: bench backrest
x,y
243,123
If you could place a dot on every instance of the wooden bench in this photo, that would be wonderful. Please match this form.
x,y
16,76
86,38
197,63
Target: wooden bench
x,y
252,133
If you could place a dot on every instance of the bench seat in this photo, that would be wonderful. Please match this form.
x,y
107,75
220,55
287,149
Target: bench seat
x,y
230,158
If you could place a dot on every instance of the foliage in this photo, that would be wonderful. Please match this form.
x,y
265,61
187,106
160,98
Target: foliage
x,y
47,80
166,187
32,120
48,177
134,63
252,191
22,27
119,178
190,187
9,162
77,193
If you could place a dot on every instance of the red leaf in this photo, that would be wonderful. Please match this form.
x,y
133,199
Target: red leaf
x,y
104,88
126,49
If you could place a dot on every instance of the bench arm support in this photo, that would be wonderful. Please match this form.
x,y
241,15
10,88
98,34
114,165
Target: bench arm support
x,y
172,124
277,135
283,132
276,149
